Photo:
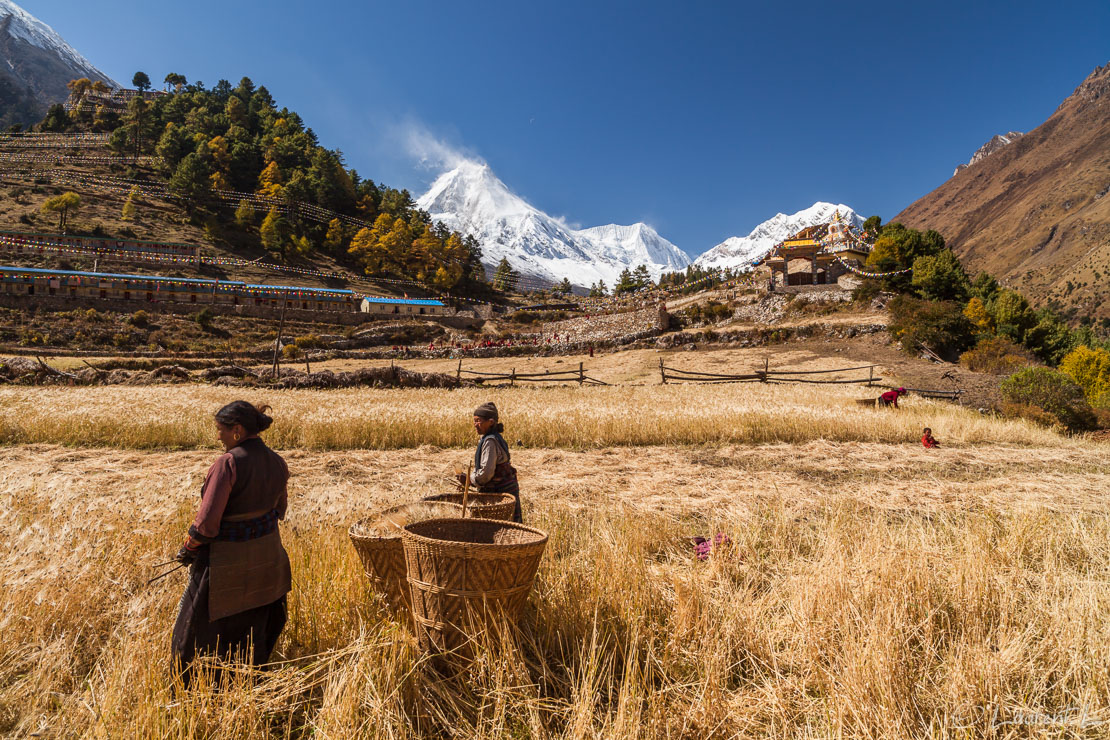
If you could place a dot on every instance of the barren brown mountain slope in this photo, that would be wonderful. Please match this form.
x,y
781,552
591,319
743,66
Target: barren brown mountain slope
x,y
1035,213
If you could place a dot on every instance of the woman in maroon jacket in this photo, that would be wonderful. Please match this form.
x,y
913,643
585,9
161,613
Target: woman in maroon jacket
x,y
235,598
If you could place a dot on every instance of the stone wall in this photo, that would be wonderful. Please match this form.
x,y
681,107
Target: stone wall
x,y
610,327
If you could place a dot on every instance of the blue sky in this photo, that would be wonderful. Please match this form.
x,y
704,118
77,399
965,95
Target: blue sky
x,y
700,118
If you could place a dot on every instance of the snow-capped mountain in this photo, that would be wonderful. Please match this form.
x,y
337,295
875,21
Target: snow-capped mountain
x,y
740,251
473,200
37,64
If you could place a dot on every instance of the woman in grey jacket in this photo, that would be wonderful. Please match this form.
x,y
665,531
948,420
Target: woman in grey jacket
x,y
493,472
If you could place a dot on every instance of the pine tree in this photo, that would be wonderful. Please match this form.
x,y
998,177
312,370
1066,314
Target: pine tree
x,y
190,179
625,283
641,277
504,277
565,287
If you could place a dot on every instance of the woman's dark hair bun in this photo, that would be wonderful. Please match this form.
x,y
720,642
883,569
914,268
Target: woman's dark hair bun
x,y
253,419
499,427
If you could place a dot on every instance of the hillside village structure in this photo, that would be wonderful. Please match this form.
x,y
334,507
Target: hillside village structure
x,y
25,243
816,255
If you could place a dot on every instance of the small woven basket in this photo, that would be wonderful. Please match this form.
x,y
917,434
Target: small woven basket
x,y
465,573
383,555
482,505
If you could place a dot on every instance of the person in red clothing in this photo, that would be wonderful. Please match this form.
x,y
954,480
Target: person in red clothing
x,y
928,441
890,398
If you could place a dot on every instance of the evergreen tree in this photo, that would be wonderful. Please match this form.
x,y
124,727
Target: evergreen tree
x,y
941,277
173,146
625,282
641,277
504,277
57,120
176,81
565,287
141,81
190,179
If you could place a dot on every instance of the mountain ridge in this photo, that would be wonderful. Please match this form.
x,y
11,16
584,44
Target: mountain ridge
x,y
470,198
38,64
1035,213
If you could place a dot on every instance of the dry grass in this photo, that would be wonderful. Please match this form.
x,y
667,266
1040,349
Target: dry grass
x,y
162,417
871,590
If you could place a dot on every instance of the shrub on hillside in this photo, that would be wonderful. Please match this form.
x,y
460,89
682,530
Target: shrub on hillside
x,y
867,291
711,313
139,318
1052,394
997,356
938,325
1090,369
310,341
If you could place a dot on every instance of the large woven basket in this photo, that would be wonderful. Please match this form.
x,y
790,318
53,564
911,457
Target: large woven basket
x,y
482,505
463,574
383,555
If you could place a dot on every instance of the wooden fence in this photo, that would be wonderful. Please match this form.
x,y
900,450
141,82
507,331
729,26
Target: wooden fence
x,y
513,377
766,375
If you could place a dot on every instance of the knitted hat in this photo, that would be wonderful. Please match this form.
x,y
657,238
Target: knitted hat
x,y
486,411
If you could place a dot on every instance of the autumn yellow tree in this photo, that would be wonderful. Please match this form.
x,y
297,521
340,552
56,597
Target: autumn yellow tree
x,y
367,247
244,214
978,314
130,212
62,205
270,181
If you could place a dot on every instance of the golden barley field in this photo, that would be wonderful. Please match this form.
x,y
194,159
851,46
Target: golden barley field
x,y
158,417
871,588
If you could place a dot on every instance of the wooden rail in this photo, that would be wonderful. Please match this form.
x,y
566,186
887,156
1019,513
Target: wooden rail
x,y
547,376
766,375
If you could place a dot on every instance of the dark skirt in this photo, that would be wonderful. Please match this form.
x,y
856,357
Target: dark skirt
x,y
254,630
512,487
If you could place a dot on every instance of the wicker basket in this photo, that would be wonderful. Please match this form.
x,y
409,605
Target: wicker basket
x,y
383,556
465,573
482,505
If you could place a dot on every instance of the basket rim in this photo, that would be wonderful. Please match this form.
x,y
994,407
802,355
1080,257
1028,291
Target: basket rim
x,y
358,536
406,533
439,498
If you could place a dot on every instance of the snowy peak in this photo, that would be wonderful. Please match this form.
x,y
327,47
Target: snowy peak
x,y
472,188
17,23
473,200
742,251
638,244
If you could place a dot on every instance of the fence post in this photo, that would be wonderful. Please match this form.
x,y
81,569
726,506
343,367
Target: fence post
x,y
458,374
581,374
662,371
766,368
512,378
